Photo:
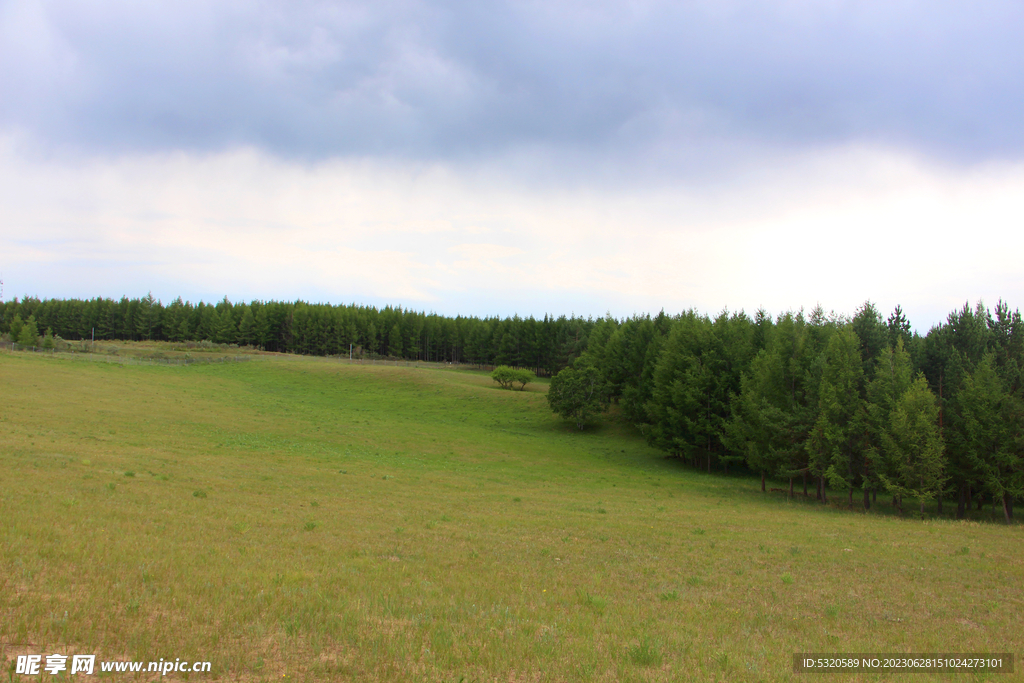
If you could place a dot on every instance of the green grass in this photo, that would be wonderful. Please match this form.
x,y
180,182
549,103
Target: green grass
x,y
303,519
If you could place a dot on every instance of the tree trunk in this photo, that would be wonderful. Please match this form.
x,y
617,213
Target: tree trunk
x,y
824,496
922,508
817,489
850,490
1007,507
960,503
762,481
867,499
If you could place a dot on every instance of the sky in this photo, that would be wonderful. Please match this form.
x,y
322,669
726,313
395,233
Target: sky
x,y
492,158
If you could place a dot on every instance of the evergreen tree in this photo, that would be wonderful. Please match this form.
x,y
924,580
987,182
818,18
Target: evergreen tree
x,y
993,420
247,328
262,329
225,330
836,439
690,406
872,333
756,416
898,327
913,447
29,334
395,341
578,392
16,325
893,377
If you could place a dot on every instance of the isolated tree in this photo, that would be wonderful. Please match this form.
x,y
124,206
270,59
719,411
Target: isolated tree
x,y
509,377
578,392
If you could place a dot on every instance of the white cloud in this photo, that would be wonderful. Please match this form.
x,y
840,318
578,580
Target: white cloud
x,y
835,228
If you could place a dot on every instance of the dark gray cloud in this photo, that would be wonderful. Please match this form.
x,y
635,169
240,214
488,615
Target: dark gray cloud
x,y
474,79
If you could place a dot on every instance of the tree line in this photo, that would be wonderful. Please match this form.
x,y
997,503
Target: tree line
x,y
544,346
856,404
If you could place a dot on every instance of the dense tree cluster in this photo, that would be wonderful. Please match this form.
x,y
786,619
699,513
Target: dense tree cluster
x,y
851,403
544,345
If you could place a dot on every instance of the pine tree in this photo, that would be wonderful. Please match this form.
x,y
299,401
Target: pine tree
x,y
226,332
836,440
29,334
756,416
913,447
898,327
993,420
872,333
247,328
893,376
395,341
16,325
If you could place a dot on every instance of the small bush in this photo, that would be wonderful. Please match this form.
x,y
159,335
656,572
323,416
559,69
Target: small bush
x,y
199,493
644,653
594,602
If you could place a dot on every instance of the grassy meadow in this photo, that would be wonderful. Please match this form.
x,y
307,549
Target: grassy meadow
x,y
304,519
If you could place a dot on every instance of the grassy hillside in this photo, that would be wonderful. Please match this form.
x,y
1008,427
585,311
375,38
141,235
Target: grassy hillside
x,y
302,519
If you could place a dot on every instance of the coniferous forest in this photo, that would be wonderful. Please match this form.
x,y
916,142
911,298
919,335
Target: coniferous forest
x,y
855,406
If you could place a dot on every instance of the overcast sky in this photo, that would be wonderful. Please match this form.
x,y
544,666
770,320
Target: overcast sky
x,y
516,157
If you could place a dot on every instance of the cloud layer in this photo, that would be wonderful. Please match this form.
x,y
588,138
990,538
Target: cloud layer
x,y
675,84
834,228
500,157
